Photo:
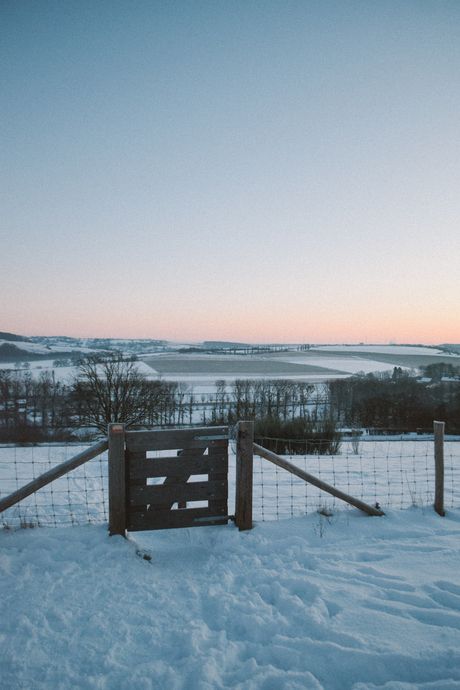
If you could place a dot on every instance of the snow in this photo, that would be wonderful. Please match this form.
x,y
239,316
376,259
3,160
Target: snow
x,y
40,349
66,374
205,384
384,349
351,365
340,603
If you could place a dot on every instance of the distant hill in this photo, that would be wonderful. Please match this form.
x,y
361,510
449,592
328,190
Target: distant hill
x,y
13,353
221,345
13,338
449,347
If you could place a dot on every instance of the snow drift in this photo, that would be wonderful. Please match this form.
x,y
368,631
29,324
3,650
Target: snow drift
x,y
340,602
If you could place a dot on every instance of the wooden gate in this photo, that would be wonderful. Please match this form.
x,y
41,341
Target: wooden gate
x,y
137,504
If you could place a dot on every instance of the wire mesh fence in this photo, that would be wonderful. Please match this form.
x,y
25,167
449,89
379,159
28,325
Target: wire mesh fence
x,y
79,497
396,473
393,473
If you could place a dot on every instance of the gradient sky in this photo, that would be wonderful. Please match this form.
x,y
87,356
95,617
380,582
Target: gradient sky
x,y
246,170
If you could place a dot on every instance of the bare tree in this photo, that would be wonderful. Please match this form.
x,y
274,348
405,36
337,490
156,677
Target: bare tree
x,y
180,392
110,388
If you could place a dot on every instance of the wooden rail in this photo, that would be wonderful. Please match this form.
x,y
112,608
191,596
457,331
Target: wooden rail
x,y
281,462
52,474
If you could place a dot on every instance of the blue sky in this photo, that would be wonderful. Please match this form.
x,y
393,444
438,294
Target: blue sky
x,y
250,171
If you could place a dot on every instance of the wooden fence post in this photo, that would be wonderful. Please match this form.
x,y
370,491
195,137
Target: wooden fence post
x,y
439,467
117,480
244,469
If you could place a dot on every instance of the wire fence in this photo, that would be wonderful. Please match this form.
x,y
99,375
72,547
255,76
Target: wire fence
x,y
79,497
396,473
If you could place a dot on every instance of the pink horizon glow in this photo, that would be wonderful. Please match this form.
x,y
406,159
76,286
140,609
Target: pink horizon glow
x,y
242,172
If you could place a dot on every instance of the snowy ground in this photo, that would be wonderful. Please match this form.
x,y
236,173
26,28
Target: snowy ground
x,y
387,349
350,364
341,603
338,601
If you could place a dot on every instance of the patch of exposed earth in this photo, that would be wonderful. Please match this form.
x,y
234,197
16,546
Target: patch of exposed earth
x,y
233,366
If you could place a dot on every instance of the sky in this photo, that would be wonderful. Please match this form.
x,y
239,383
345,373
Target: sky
x,y
245,170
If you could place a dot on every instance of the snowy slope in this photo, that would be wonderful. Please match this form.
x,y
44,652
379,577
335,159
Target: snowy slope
x,y
350,365
341,603
384,349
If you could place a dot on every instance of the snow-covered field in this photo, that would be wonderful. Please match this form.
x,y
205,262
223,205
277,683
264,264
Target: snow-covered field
x,y
341,603
350,365
68,373
201,371
315,365
384,349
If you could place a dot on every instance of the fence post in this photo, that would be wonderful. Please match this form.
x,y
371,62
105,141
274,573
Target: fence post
x,y
439,467
244,469
117,480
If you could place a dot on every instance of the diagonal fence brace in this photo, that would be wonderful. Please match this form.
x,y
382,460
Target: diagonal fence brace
x,y
281,462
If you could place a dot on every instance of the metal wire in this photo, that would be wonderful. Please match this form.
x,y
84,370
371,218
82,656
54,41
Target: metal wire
x,y
395,474
79,497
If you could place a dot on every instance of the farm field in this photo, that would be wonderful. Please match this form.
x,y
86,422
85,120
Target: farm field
x,y
317,364
381,357
232,365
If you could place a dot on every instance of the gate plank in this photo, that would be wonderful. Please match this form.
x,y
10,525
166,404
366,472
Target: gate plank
x,y
174,518
170,439
182,464
174,493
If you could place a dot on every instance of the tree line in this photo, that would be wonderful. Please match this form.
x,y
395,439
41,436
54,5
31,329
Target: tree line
x,y
105,389
399,402
111,388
